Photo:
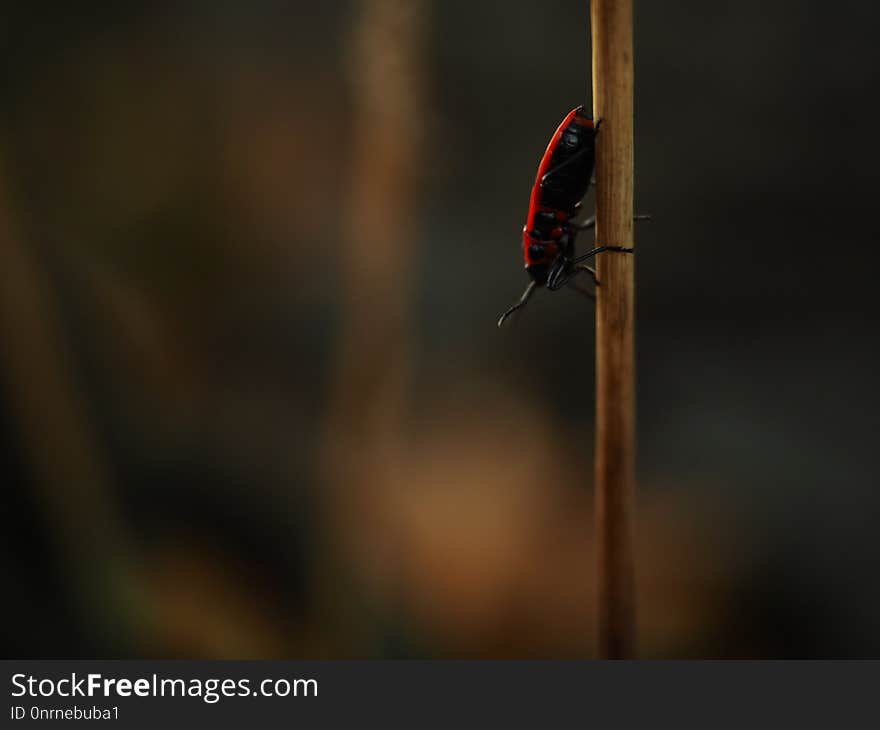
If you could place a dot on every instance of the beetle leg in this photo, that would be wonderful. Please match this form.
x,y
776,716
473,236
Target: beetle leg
x,y
530,289
600,249
557,269
590,270
569,274
590,222
586,224
582,290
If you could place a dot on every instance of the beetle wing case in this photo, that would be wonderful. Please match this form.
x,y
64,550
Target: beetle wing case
x,y
562,181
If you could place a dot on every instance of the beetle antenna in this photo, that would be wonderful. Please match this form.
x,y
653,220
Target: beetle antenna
x,y
521,303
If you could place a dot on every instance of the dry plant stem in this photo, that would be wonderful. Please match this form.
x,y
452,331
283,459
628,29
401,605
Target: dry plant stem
x,y
611,22
376,268
371,372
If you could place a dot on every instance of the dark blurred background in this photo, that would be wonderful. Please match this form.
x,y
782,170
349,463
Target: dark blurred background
x,y
253,402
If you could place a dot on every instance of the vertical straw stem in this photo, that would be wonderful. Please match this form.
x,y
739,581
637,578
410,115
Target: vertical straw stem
x,y
369,384
612,41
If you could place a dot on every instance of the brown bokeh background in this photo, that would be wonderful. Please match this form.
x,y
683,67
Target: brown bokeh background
x,y
253,403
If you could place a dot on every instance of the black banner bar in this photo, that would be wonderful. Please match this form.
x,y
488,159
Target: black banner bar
x,y
417,694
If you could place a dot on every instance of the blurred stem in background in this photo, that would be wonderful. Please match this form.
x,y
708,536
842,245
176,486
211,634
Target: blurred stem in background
x,y
611,25
371,373
69,469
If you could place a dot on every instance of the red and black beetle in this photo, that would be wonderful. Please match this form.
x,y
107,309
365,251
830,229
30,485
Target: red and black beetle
x,y
562,182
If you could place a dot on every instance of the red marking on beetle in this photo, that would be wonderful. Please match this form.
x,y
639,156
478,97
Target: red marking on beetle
x,y
544,166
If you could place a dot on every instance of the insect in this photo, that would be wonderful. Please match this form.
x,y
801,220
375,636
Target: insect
x,y
562,182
